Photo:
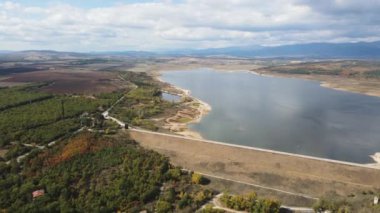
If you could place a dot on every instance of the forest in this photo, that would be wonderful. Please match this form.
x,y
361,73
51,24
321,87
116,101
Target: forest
x,y
97,173
11,97
33,117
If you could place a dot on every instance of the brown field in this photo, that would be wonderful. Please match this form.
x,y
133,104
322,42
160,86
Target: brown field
x,y
188,63
66,81
290,173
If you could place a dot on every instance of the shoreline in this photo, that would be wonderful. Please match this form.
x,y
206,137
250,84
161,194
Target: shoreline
x,y
204,108
339,86
329,85
182,128
376,158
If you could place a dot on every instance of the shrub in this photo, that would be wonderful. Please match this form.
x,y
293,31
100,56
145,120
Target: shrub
x,y
196,178
210,209
163,207
250,203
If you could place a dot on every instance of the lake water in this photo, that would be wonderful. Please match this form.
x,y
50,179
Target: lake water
x,y
290,115
171,97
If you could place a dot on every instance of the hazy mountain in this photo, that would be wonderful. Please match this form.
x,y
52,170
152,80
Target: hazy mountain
x,y
310,50
317,50
39,55
140,54
5,51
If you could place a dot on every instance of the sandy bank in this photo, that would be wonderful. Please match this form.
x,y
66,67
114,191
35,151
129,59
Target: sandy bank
x,y
192,111
355,86
376,158
361,86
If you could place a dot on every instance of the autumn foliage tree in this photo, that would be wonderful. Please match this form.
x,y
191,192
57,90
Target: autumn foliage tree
x,y
250,203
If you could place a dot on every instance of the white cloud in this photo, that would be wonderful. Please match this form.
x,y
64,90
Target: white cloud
x,y
188,24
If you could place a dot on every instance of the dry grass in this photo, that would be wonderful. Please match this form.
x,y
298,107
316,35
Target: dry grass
x,y
238,188
290,173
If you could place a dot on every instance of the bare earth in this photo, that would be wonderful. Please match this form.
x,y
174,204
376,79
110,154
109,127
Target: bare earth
x,y
348,75
188,63
363,86
287,172
3,152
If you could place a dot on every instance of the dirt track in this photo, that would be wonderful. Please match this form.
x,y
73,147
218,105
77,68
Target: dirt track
x,y
296,174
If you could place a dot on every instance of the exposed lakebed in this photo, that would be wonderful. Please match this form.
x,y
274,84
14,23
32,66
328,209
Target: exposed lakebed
x,y
290,115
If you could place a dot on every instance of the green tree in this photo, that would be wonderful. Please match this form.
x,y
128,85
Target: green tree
x,y
163,207
196,178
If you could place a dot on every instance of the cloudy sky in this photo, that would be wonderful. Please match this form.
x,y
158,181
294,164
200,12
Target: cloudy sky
x,y
95,25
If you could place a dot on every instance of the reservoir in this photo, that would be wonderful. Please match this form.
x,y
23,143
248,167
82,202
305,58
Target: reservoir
x,y
284,114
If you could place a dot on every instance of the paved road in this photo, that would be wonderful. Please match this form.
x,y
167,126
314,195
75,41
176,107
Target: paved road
x,y
106,115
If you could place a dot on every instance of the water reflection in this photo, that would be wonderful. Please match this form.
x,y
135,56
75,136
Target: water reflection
x,y
290,115
171,97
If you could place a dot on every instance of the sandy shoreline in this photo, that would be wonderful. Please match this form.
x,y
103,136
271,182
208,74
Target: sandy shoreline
x,y
345,89
201,108
336,83
376,158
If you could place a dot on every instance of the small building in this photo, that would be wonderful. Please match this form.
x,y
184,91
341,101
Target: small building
x,y
38,193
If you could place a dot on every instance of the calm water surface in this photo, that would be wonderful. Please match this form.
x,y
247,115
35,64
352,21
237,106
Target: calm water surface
x,y
170,97
290,115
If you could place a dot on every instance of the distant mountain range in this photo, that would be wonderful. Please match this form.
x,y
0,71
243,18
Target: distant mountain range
x,y
5,51
39,55
311,50
360,50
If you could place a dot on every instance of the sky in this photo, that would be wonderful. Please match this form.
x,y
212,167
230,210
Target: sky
x,y
156,25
